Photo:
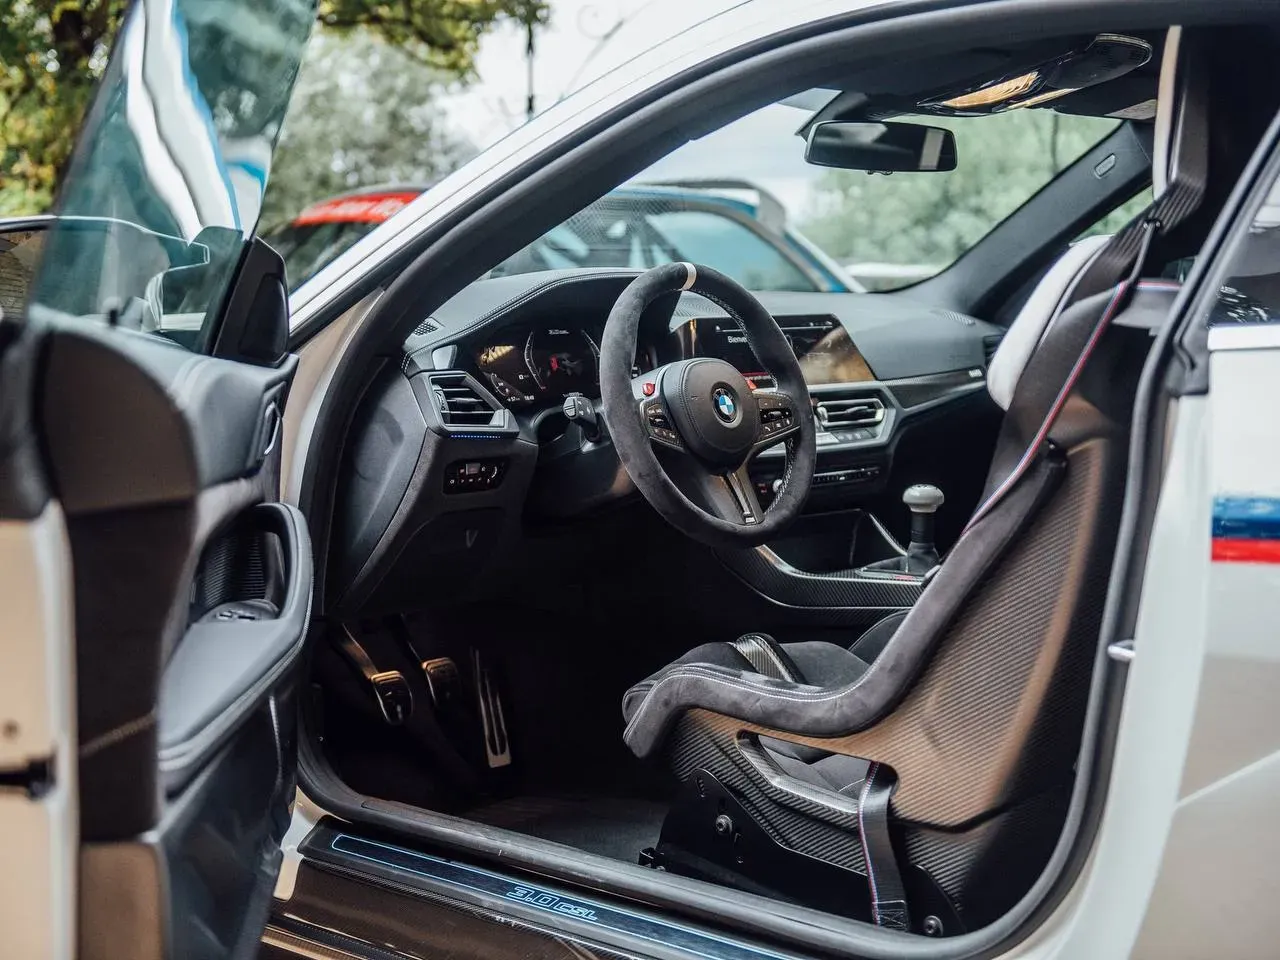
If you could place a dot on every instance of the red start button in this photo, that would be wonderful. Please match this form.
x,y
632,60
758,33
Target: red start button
x,y
649,387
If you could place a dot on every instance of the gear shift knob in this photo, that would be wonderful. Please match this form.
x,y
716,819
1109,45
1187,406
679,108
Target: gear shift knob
x,y
923,500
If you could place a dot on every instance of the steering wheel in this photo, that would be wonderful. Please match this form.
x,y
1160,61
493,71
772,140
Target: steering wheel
x,y
704,418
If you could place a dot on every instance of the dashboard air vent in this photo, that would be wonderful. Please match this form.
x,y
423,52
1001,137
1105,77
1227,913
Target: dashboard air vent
x,y
862,411
460,404
989,347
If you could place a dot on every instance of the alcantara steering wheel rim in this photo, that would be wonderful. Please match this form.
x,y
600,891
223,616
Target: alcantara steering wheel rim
x,y
706,419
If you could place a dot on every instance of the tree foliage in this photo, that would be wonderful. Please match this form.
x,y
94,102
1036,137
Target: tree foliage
x,y
52,53
363,112
441,33
932,218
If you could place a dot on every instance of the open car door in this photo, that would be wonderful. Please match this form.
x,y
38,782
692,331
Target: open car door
x,y
157,590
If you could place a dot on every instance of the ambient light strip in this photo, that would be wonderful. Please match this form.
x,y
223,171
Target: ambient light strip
x,y
1246,530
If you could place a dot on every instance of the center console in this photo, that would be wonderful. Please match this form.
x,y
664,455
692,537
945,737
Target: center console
x,y
854,428
845,567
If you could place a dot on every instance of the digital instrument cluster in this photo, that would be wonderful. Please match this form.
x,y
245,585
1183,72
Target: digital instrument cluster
x,y
527,365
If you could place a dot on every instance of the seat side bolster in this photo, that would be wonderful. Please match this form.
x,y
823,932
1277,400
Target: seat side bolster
x,y
808,711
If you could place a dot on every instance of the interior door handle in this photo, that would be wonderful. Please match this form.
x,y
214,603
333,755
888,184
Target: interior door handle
x,y
223,668
272,420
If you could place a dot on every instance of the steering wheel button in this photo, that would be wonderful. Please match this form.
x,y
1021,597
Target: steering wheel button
x,y
649,387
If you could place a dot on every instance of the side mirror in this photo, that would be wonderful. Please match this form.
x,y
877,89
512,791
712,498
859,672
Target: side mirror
x,y
881,147
255,316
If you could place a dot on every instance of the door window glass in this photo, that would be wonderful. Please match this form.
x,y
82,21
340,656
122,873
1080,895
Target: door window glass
x,y
1251,291
167,180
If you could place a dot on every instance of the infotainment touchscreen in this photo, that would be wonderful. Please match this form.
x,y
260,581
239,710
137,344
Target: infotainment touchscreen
x,y
821,344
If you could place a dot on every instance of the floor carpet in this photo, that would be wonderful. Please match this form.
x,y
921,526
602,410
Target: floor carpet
x,y
611,827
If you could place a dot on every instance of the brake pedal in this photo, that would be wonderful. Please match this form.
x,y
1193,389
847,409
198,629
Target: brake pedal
x,y
497,747
444,682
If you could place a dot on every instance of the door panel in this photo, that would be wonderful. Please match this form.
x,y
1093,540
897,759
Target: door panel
x,y
237,651
193,589
159,393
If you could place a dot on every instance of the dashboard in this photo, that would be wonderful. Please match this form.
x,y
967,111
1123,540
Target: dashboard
x,y
823,346
534,364
463,445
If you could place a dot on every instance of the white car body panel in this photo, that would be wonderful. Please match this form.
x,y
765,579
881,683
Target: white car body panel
x,y
38,834
1223,841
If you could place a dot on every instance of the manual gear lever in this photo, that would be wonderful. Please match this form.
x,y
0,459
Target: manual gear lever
x,y
923,500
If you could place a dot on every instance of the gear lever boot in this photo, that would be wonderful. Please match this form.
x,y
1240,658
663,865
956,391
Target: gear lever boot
x,y
923,500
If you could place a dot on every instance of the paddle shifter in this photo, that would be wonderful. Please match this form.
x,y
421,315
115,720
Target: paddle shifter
x,y
923,500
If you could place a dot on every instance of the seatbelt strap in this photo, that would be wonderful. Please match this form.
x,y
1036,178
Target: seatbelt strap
x,y
888,895
1055,366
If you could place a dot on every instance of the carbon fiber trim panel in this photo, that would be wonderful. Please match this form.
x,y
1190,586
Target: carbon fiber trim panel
x,y
763,659
996,715
982,870
916,393
775,579
826,828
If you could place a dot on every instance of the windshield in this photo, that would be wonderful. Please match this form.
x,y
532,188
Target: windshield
x,y
743,200
642,228
167,180
309,247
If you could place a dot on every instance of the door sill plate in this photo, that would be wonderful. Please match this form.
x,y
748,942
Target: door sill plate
x,y
619,926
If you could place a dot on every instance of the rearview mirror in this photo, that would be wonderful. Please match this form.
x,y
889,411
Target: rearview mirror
x,y
881,147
